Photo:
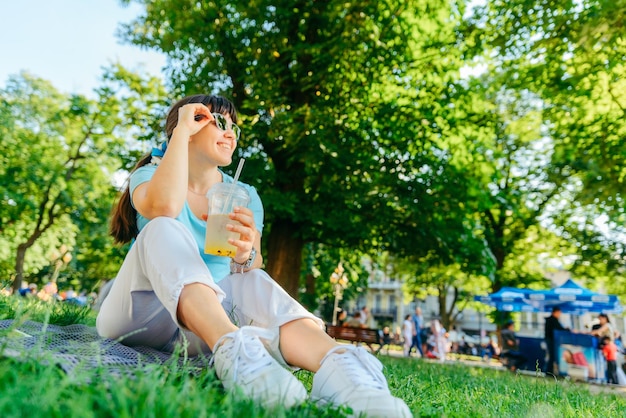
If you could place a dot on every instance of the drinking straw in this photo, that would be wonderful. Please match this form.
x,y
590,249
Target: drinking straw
x,y
237,173
239,168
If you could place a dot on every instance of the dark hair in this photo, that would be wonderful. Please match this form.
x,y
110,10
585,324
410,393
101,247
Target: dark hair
x,y
605,316
123,225
556,309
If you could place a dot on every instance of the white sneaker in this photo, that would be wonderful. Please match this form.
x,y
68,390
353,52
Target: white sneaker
x,y
243,364
351,376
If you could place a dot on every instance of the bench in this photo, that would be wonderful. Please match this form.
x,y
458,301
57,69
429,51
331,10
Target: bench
x,y
368,336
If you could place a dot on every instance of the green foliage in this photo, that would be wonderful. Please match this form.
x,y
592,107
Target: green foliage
x,y
33,164
62,155
362,132
450,283
344,108
563,63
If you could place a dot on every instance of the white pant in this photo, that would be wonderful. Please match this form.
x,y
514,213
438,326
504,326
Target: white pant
x,y
141,306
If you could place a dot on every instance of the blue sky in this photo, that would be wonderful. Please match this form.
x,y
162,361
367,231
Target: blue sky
x,y
67,42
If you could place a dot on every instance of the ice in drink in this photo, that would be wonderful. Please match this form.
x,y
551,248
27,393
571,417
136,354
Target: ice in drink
x,y
217,236
223,198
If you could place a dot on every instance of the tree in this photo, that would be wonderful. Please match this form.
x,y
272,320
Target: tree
x,y
363,135
62,154
528,144
559,66
340,101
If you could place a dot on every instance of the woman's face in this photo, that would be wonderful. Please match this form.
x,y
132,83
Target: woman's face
x,y
215,144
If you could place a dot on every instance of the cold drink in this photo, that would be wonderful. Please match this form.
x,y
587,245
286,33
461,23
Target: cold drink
x,y
217,236
223,198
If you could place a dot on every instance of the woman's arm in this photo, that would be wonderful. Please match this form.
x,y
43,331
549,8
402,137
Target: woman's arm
x,y
166,192
600,330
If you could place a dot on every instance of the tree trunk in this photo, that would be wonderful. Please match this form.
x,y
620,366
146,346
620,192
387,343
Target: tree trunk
x,y
284,259
21,248
19,267
443,312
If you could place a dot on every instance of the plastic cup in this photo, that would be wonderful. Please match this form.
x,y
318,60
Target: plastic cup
x,y
223,197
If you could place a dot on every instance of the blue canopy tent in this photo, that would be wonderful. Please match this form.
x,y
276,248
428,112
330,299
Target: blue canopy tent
x,y
570,297
509,299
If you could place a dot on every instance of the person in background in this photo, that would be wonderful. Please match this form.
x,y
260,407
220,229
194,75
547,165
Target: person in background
x,y
168,293
605,329
461,346
510,347
439,339
418,324
50,292
342,317
354,321
488,350
453,338
609,350
364,317
29,291
552,324
386,337
425,336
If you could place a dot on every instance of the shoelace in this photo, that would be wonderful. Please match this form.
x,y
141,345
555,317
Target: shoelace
x,y
241,347
361,367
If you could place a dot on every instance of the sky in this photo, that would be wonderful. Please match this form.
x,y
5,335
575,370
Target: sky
x,y
67,42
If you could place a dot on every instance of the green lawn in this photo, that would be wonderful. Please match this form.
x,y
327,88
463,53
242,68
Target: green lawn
x,y
33,388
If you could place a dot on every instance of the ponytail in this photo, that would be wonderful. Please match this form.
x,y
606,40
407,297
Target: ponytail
x,y
123,225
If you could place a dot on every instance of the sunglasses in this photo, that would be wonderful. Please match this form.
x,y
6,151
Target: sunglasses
x,y
222,124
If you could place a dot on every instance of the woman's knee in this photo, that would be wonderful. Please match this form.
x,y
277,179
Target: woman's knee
x,y
164,232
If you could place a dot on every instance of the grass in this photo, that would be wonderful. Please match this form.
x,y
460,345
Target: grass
x,y
32,388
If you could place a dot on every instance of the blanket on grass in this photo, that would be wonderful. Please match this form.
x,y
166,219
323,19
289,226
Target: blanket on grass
x,y
75,347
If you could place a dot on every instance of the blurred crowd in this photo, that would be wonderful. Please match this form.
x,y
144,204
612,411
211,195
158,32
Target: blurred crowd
x,y
50,292
424,339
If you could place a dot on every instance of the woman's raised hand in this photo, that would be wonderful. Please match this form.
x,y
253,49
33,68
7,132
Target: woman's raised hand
x,y
192,117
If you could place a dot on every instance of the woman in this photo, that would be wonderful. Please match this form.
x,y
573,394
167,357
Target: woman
x,y
169,292
439,339
605,329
